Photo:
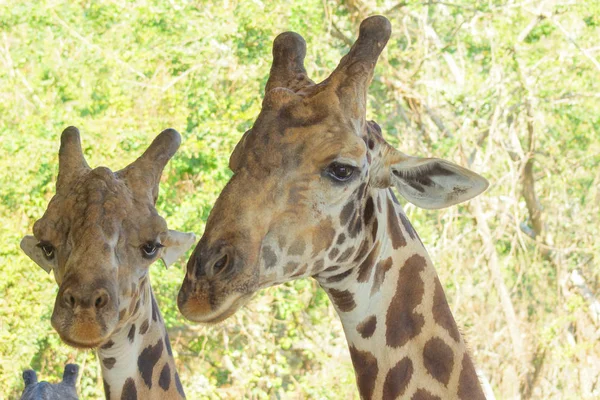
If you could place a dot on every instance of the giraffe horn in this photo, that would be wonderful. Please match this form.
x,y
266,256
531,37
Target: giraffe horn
x,y
70,374
355,70
144,173
287,70
71,162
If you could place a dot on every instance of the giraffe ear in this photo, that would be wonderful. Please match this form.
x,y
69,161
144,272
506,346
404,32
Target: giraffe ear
x,y
236,156
176,244
29,245
431,183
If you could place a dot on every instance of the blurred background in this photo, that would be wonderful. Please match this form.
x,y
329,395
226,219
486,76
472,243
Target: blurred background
x,y
509,88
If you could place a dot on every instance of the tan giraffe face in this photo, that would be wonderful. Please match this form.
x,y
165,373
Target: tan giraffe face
x,y
99,235
301,200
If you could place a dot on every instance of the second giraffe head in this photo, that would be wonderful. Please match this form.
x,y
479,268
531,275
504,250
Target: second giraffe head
x,y
302,199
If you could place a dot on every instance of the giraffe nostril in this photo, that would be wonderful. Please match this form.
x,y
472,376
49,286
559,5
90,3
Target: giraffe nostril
x,y
221,264
212,262
68,299
101,299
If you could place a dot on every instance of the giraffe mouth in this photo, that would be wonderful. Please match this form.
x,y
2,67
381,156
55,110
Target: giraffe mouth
x,y
226,310
81,345
221,317
83,333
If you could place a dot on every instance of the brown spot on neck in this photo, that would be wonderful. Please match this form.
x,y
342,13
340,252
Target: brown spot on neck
x,y
396,235
397,379
408,226
364,248
438,359
297,248
339,277
365,268
318,266
423,394
469,387
374,228
155,312
144,327
178,385
106,389
290,267
333,253
441,312
402,322
281,241
346,254
332,268
343,299
131,333
164,381
383,266
366,369
168,344
369,210
355,226
300,271
129,390
109,362
367,327
347,212
137,306
148,359
269,257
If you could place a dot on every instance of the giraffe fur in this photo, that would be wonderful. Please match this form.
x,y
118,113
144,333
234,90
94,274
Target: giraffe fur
x,y
99,235
311,196
64,390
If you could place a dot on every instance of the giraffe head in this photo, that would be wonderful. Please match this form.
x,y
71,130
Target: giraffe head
x,y
64,390
300,199
99,235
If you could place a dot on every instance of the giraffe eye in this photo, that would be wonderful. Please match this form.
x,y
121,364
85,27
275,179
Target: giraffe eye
x,y
340,172
47,249
150,249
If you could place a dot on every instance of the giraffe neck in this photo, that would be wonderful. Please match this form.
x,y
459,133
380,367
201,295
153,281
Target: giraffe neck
x,y
403,340
137,361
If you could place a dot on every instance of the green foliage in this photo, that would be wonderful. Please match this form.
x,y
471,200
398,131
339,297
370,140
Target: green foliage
x,y
123,71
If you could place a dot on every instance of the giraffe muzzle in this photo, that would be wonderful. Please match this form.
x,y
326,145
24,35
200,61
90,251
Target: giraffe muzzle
x,y
85,314
218,282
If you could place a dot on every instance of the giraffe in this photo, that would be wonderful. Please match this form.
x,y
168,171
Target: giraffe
x,y
99,235
64,390
311,196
